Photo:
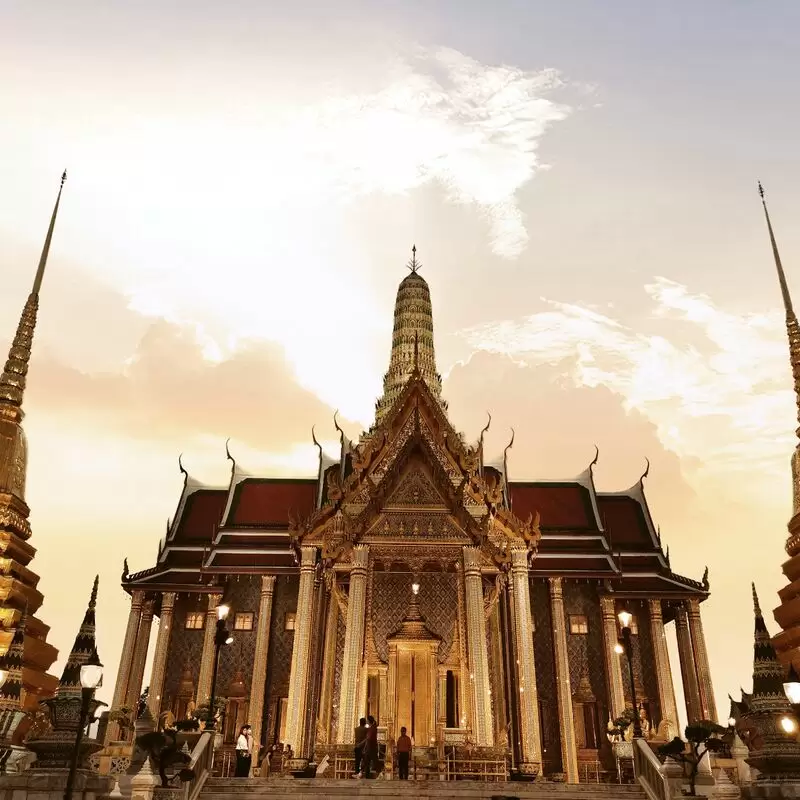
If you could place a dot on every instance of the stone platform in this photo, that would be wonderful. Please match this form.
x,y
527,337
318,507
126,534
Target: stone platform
x,y
285,788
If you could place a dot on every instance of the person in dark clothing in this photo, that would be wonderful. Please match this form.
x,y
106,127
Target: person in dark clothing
x,y
360,740
371,748
403,754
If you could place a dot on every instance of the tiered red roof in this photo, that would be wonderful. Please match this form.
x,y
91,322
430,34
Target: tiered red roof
x,y
245,528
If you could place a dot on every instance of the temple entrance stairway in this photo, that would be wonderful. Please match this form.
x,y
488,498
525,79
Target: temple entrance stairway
x,y
318,788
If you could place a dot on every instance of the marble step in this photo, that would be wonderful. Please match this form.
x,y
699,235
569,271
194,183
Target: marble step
x,y
280,788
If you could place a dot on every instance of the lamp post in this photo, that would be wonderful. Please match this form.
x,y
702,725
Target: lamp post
x,y
91,677
222,637
625,618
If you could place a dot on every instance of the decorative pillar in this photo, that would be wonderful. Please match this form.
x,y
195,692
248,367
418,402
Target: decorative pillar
x,y
476,642
329,666
528,700
708,705
258,685
666,689
136,678
207,658
350,685
691,691
616,692
160,656
569,753
126,661
301,652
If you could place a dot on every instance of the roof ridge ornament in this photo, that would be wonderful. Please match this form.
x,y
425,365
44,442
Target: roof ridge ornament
x,y
646,471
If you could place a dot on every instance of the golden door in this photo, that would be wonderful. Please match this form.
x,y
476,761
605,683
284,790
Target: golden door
x,y
415,694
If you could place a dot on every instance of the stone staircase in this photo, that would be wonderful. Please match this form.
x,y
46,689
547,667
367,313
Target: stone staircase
x,y
287,788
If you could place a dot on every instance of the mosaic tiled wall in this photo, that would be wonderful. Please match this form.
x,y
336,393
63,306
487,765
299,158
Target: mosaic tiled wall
x,y
281,642
438,603
185,646
586,656
546,676
245,594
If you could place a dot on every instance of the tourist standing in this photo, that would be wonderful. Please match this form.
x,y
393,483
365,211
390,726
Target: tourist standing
x,y
403,754
371,748
244,752
360,741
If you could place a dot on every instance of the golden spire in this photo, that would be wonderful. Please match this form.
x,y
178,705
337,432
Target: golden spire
x,y
412,341
12,380
793,333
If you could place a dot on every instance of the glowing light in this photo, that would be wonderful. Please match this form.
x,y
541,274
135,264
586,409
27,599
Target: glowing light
x,y
619,649
625,618
731,722
223,609
791,686
789,725
415,588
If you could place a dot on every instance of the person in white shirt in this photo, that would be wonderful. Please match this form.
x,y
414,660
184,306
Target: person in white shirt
x,y
244,752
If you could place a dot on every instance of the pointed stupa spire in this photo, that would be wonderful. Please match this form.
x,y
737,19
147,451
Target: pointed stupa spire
x,y
12,662
82,649
12,380
412,341
793,334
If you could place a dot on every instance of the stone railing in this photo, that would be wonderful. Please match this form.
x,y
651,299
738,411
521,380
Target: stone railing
x,y
201,764
648,772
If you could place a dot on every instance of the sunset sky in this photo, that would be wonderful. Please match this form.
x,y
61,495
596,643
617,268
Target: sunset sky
x,y
245,183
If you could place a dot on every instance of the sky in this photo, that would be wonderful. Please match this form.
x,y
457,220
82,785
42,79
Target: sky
x,y
246,182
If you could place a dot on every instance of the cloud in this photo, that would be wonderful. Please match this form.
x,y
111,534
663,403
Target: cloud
x,y
715,383
444,118
169,390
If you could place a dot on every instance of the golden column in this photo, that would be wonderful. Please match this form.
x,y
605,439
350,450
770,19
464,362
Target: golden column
x,y
708,705
258,685
569,753
616,692
329,665
140,655
301,652
126,661
691,691
207,658
528,696
353,645
666,689
482,727
160,656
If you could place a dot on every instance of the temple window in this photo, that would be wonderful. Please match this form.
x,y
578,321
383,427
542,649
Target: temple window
x,y
288,621
578,624
243,622
195,620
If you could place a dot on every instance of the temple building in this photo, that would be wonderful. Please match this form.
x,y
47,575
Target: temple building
x,y
410,580
25,655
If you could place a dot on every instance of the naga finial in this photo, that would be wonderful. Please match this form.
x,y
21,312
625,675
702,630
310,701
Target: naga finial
x,y
316,443
485,429
125,571
705,581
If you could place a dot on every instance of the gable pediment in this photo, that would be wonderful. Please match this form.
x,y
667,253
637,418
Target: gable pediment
x,y
415,489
